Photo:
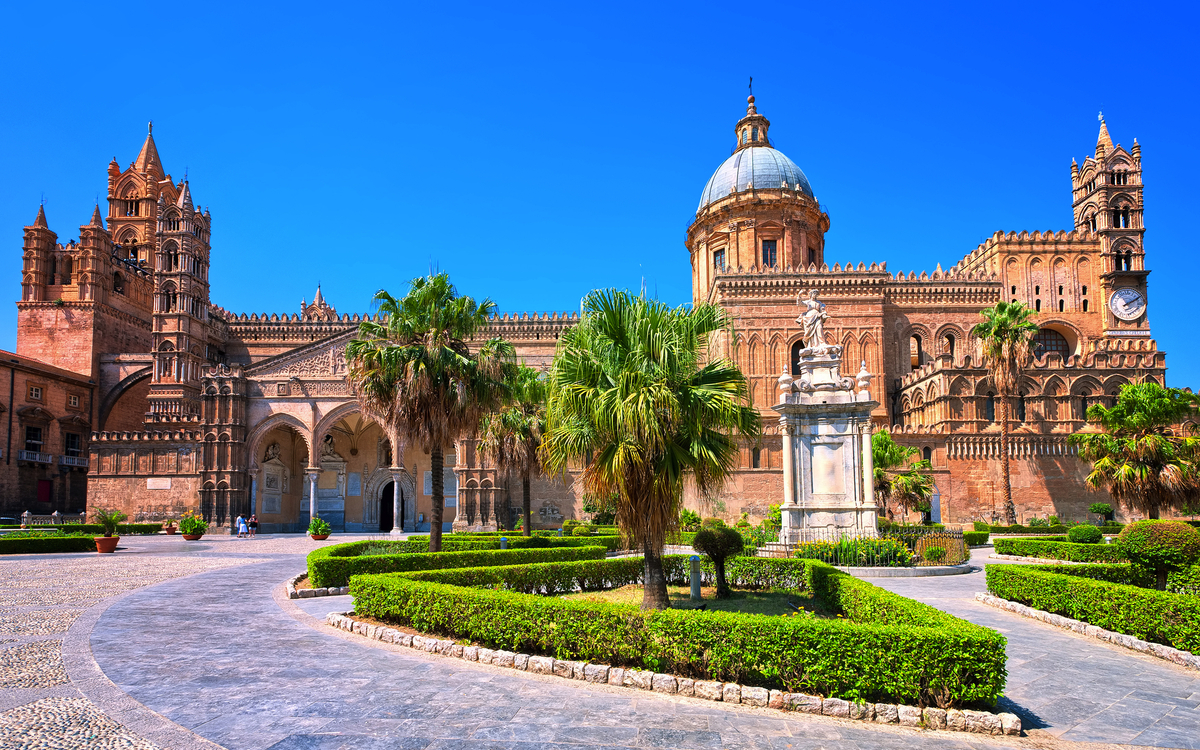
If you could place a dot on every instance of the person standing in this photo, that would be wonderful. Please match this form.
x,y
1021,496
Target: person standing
x,y
240,524
253,525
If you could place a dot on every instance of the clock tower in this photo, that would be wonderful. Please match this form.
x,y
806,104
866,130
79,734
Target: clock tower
x,y
1108,205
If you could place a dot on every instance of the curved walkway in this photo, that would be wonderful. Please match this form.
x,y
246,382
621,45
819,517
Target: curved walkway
x,y
1068,685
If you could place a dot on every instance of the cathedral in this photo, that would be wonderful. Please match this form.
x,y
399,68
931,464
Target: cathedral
x,y
172,403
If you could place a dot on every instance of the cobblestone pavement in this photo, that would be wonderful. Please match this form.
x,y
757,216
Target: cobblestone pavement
x,y
48,604
188,645
1070,686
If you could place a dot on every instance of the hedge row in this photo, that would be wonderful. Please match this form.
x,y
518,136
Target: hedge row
x,y
1082,593
1114,528
335,570
890,649
975,538
95,528
449,542
44,544
1058,548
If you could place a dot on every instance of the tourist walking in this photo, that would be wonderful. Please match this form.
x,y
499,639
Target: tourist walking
x,y
242,531
253,525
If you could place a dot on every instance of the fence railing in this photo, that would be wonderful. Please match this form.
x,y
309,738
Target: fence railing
x,y
54,519
893,549
73,461
36,457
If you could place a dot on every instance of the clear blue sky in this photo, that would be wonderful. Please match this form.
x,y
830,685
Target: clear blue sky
x,y
536,153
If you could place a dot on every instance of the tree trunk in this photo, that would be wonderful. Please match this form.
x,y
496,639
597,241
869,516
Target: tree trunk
x,y
1160,579
722,586
526,521
654,591
435,515
1153,514
1010,510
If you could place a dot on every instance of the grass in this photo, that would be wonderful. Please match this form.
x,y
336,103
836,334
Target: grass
x,y
754,602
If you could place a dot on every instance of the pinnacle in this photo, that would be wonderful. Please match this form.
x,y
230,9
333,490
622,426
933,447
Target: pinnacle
x,y
147,159
97,220
1104,139
40,221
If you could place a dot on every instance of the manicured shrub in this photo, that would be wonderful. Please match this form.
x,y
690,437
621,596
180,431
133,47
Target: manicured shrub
x,y
1052,521
1031,529
975,538
1112,528
1104,510
462,542
1084,534
712,522
953,551
1058,548
981,526
887,647
318,526
335,570
1080,592
1162,546
716,545
1184,581
95,529
882,552
934,553
689,520
34,545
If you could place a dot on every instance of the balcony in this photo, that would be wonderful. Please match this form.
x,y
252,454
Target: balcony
x,y
35,457
73,461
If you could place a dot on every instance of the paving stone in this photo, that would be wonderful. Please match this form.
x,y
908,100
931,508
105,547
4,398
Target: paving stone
x,y
616,676
835,707
956,720
708,690
685,686
541,665
862,711
908,716
887,713
731,693
521,662
805,704
776,699
935,718
504,659
565,668
595,673
755,696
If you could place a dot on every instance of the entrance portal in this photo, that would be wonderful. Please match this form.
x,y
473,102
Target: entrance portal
x,y
386,501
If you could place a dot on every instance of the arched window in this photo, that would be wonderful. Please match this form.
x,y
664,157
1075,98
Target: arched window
x,y
1050,340
1014,289
1085,305
1062,305
1084,403
1037,305
796,347
927,453
950,342
118,283
989,407
1021,406
914,351
756,458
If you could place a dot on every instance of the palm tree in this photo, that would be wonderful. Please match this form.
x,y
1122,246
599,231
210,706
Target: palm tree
x,y
899,475
633,400
510,437
1136,458
440,389
1006,333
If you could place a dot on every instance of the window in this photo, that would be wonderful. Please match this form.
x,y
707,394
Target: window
x,y
72,400
989,407
719,259
1085,290
927,453
754,134
1037,305
914,352
132,207
35,393
1085,305
118,283
1014,289
1049,340
756,458
768,253
1091,222
1120,218
796,348
33,439
1037,290
743,135
1120,178
1060,289
950,344
73,444
1021,406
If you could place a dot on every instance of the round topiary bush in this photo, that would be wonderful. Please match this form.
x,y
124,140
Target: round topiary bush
x,y
1162,546
718,544
1084,534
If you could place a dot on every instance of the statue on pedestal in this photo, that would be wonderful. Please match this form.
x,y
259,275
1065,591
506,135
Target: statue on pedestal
x,y
813,320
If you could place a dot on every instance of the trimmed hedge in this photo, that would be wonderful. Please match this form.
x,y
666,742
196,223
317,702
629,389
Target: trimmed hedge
x,y
45,544
336,569
975,538
95,528
890,648
449,542
1058,548
1019,529
1084,593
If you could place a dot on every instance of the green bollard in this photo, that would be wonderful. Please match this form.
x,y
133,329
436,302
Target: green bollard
x,y
503,542
696,578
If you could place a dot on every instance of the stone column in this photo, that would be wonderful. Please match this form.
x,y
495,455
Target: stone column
x,y
868,464
397,500
313,475
789,465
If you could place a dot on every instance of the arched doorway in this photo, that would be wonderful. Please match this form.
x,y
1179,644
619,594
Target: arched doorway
x,y
386,506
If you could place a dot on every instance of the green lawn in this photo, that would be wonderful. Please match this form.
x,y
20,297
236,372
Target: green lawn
x,y
758,602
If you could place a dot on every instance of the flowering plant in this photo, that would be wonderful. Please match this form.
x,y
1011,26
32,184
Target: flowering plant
x,y
318,527
190,523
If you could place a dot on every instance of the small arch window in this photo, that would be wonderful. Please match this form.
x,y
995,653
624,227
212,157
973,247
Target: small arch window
x,y
927,453
1050,340
1037,290
1037,305
950,342
1014,288
1062,305
796,348
989,407
1021,406
1085,290
756,458
1085,305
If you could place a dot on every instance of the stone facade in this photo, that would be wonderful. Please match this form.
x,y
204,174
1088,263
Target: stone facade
x,y
195,407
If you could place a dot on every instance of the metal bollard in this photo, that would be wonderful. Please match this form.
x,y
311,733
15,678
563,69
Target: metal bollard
x,y
503,542
696,578
560,531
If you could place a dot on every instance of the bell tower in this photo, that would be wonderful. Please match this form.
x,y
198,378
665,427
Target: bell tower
x,y
181,300
1108,204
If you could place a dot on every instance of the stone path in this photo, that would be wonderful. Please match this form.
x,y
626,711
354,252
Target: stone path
x,y
1070,686
179,645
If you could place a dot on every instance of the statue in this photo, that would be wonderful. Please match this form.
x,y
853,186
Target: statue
x,y
272,452
813,319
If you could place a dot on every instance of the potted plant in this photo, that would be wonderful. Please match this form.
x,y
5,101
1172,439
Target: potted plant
x,y
109,520
192,526
318,529
169,526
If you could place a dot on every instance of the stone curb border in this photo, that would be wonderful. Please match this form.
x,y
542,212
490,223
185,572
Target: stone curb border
x,y
1043,560
293,593
979,722
1184,659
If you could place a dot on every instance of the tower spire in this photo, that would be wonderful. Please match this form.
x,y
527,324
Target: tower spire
x,y
40,221
97,220
147,159
751,130
1103,140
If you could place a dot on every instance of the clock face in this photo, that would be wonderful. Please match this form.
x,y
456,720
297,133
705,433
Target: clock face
x,y
1127,303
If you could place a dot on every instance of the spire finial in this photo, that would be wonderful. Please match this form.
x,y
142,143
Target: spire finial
x,y
150,128
1100,116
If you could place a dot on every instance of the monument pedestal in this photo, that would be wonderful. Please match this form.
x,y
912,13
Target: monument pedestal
x,y
828,472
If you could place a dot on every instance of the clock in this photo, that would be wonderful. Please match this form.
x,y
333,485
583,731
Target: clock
x,y
1127,303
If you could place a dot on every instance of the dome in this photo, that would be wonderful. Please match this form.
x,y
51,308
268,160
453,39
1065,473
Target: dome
x,y
760,166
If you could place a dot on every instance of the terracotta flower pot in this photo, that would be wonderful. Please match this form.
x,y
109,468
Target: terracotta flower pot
x,y
170,529
319,537
106,543
192,537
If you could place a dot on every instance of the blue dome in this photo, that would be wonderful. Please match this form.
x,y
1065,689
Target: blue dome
x,y
760,166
